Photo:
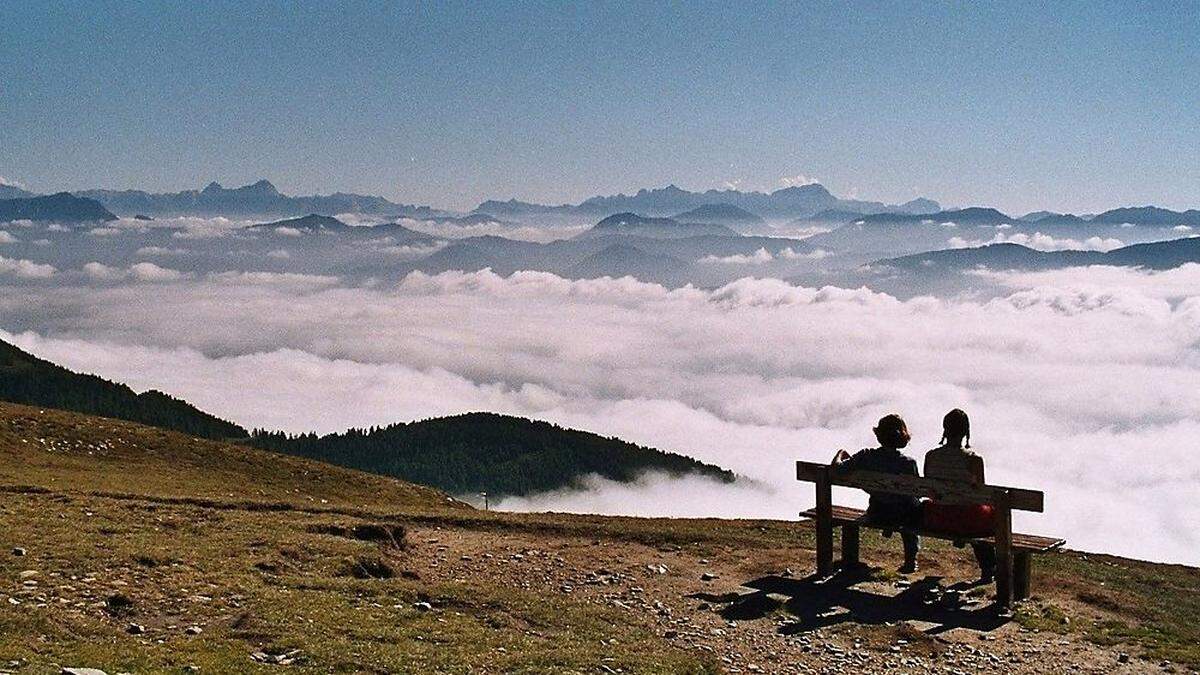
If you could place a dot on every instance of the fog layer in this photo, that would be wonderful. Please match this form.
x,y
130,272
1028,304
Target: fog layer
x,y
1081,383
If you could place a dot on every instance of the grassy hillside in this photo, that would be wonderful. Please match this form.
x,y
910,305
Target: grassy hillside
x,y
52,449
24,378
476,452
143,550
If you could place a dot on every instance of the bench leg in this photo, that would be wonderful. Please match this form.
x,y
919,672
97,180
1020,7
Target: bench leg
x,y
824,524
824,548
850,539
1004,557
1022,561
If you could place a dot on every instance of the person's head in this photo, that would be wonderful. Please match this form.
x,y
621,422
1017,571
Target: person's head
x,y
892,432
956,428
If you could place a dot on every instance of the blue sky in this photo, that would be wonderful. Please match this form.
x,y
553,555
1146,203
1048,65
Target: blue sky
x,y
1072,106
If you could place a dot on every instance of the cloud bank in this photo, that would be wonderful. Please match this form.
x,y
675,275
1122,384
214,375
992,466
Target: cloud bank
x,y
763,256
25,269
1042,242
1080,382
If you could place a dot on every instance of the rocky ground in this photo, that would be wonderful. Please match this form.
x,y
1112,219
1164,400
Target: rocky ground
x,y
787,625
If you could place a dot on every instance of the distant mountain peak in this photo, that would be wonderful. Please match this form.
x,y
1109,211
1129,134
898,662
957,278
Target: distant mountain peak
x,y
311,222
61,206
627,218
657,228
262,185
808,188
718,213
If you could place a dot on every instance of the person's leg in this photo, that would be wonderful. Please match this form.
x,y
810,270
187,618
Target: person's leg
x,y
985,555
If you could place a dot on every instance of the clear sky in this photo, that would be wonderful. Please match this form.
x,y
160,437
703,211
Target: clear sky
x,y
1061,105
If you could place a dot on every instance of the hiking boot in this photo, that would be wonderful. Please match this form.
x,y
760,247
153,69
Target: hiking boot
x,y
908,567
987,576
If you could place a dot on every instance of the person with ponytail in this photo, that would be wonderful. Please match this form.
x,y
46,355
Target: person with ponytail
x,y
953,460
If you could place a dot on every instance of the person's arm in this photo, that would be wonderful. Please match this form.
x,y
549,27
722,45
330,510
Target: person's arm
x,y
977,470
851,462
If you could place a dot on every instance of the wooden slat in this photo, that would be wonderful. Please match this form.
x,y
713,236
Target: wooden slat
x,y
845,515
1039,544
948,492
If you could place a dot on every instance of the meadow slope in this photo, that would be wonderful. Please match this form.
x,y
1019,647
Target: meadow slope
x,y
128,548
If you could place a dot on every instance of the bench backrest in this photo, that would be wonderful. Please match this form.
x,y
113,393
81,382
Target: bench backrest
x,y
950,492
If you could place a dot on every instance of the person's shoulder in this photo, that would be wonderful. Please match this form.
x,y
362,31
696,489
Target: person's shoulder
x,y
936,452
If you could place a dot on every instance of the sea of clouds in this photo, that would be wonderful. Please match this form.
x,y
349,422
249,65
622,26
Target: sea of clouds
x,y
1081,383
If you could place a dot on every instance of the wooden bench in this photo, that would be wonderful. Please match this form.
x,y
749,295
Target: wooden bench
x,y
1013,550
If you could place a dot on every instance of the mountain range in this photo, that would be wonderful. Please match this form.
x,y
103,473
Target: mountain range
x,y
1158,255
1151,216
257,199
811,203
790,202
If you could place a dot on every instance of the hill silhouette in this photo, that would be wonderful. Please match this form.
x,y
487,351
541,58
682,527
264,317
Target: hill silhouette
x,y
486,452
720,214
62,207
657,228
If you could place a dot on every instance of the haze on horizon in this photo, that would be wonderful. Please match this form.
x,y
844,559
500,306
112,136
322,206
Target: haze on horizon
x,y
1070,107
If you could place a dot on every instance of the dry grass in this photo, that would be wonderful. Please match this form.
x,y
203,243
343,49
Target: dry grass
x,y
267,553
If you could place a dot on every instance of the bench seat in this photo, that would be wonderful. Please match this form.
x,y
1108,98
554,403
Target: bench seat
x,y
844,515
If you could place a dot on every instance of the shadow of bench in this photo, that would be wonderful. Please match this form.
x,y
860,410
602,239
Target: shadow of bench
x,y
811,599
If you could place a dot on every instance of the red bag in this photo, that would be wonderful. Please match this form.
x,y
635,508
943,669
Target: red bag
x,y
968,520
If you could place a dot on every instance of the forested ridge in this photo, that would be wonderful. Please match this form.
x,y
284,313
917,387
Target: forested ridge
x,y
26,379
468,453
476,452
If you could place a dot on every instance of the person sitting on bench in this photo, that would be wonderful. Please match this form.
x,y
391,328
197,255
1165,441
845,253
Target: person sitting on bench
x,y
887,509
954,461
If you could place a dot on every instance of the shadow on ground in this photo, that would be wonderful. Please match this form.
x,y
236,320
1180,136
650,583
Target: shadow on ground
x,y
816,602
